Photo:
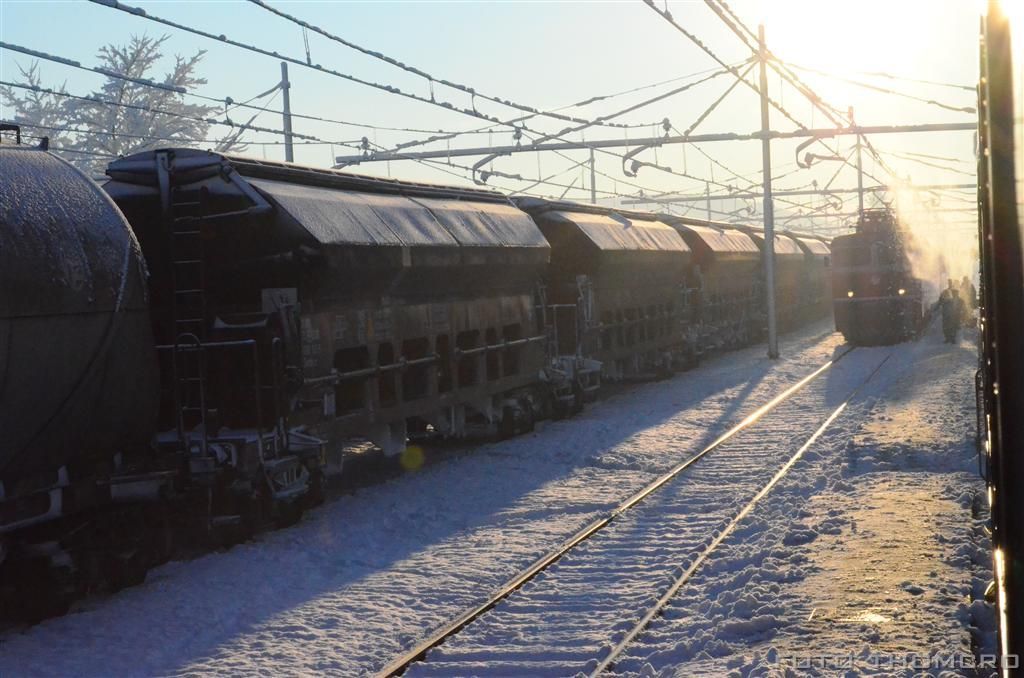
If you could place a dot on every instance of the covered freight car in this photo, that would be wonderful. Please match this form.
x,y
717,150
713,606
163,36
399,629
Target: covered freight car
x,y
815,278
726,293
381,303
789,267
624,272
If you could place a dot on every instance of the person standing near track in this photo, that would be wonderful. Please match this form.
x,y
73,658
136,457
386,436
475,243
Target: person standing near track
x,y
952,312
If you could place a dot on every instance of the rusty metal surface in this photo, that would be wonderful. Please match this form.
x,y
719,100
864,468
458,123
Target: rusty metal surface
x,y
77,365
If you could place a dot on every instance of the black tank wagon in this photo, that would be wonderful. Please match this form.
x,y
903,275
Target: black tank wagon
x,y
78,375
78,378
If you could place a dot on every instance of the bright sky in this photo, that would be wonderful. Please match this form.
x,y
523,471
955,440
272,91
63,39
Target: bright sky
x,y
550,54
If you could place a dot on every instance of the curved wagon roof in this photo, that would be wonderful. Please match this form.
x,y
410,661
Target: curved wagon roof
x,y
328,209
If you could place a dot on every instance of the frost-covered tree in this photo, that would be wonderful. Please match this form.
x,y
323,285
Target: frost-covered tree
x,y
121,117
41,109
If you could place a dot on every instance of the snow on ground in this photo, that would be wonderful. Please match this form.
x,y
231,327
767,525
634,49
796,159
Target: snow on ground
x,y
867,559
560,622
369,574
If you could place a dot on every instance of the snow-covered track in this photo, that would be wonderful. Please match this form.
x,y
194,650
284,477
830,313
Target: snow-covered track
x,y
706,527
609,660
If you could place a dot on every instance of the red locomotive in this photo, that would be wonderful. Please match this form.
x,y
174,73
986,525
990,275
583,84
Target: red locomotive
x,y
875,297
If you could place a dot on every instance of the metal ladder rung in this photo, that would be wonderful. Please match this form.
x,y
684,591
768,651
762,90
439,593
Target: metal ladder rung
x,y
188,291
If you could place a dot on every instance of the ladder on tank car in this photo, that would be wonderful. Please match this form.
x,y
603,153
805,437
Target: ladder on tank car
x,y
183,226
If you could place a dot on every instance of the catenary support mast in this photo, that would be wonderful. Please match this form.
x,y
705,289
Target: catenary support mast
x,y
769,216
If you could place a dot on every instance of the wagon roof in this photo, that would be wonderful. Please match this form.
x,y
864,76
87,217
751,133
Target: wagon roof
x,y
721,240
339,209
608,229
335,217
785,244
814,246
613,232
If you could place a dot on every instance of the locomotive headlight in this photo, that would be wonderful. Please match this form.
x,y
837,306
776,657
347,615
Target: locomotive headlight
x,y
850,293
902,292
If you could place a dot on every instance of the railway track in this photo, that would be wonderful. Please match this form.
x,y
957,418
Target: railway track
x,y
556,624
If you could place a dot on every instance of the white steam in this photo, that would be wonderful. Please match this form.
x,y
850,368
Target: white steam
x,y
941,246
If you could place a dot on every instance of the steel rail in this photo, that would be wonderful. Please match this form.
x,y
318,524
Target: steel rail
x,y
442,633
659,606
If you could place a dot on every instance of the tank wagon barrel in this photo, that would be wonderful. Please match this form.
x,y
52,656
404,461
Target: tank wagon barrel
x,y
78,378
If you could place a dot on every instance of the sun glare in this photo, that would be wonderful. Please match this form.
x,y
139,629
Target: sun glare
x,y
837,36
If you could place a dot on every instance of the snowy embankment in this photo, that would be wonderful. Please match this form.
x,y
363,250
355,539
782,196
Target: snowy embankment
x,y
867,559
367,575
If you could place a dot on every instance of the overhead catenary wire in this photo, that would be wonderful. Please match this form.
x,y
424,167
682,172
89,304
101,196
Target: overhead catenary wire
x,y
139,81
752,41
221,38
742,31
227,101
927,163
518,130
472,91
885,90
127,135
890,76
834,115
390,89
156,110
615,114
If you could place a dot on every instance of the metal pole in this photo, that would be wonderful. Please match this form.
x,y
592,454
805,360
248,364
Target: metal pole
x,y
707,196
593,179
769,209
289,151
860,169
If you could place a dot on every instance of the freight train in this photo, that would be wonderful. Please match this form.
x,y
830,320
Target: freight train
x,y
182,349
877,299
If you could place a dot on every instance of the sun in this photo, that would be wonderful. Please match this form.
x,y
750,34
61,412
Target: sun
x,y
845,37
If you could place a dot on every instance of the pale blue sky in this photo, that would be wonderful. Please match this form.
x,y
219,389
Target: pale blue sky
x,y
549,54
